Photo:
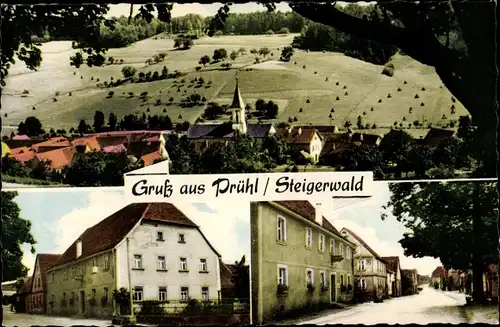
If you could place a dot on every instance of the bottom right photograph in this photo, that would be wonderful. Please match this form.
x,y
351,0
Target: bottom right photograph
x,y
412,253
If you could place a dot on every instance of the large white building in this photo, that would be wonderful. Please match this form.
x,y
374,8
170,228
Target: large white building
x,y
152,249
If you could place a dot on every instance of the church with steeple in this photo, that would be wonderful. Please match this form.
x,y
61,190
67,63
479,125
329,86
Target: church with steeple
x,y
205,133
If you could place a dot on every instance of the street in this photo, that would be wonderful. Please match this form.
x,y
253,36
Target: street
x,y
11,319
429,306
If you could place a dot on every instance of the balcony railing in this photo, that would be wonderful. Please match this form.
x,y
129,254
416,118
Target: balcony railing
x,y
336,258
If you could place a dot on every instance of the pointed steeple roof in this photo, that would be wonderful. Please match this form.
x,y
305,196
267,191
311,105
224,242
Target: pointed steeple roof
x,y
237,99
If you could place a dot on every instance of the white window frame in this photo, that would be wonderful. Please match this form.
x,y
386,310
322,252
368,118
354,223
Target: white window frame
x,y
106,262
332,246
281,229
309,237
137,261
184,291
138,293
160,236
205,293
342,280
182,238
309,270
162,293
321,243
203,265
362,284
183,265
322,277
94,262
284,280
361,265
161,262
341,248
349,253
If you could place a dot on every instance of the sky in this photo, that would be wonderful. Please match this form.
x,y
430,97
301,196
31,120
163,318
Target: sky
x,y
204,9
198,8
58,218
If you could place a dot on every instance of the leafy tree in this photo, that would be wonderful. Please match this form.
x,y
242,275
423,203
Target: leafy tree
x,y
260,106
241,279
99,121
98,169
219,54
284,30
419,159
31,127
455,222
286,53
164,72
213,110
277,150
112,121
394,146
128,71
16,231
272,110
183,43
204,60
233,55
264,51
83,127
362,158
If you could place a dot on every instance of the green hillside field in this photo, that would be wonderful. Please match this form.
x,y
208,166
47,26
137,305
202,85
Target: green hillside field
x,y
309,81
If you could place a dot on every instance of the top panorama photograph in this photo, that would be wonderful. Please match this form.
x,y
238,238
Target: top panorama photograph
x,y
404,89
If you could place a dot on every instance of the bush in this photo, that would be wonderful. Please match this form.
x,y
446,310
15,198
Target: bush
x,y
26,91
111,93
153,308
388,69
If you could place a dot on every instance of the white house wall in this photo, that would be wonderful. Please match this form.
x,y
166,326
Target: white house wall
x,y
143,242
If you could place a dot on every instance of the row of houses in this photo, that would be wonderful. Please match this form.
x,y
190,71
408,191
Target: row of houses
x,y
315,141
300,260
152,250
59,152
461,280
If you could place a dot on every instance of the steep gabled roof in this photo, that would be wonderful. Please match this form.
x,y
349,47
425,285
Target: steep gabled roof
x,y
392,263
26,288
306,210
237,102
150,158
259,130
58,158
363,243
440,271
45,262
108,233
299,135
226,275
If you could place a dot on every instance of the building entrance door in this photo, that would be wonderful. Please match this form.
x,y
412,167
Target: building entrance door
x,y
333,289
82,300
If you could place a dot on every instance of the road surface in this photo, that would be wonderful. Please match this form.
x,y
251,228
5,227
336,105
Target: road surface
x,y
429,306
11,319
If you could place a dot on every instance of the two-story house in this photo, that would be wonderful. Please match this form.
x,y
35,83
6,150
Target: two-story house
x,y
151,249
308,140
394,284
299,260
36,300
409,281
370,269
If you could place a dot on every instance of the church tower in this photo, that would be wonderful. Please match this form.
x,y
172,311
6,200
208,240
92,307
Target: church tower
x,y
237,108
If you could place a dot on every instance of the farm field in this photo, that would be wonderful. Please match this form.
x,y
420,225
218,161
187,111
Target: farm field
x,y
308,90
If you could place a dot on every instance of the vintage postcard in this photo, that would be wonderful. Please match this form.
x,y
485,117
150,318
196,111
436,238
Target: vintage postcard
x,y
402,256
91,258
247,88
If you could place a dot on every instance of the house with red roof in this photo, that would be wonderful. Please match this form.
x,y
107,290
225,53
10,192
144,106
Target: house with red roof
x,y
57,159
370,270
151,249
308,139
36,300
438,277
299,260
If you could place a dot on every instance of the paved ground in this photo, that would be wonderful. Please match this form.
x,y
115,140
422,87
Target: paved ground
x,y
11,319
429,306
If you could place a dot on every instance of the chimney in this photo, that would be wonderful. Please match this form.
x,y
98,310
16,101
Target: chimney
x,y
78,249
318,214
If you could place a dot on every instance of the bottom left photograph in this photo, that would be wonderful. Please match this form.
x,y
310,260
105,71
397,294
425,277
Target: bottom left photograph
x,y
87,257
